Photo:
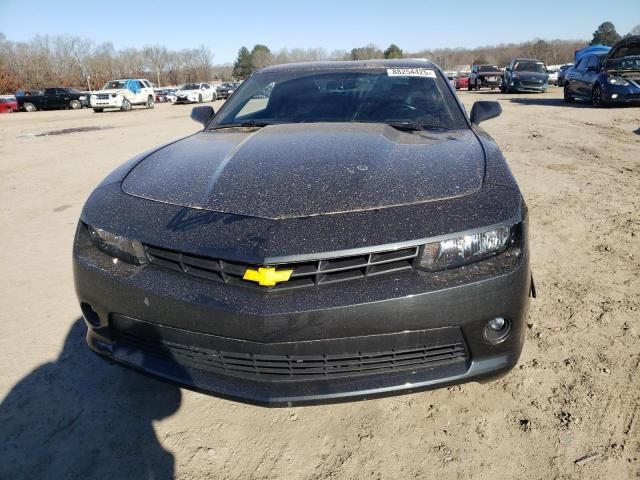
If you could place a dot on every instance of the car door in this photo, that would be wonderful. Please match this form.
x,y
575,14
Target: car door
x,y
62,98
588,75
574,77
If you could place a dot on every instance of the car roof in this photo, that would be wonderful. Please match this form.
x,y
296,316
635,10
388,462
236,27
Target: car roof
x,y
518,59
351,64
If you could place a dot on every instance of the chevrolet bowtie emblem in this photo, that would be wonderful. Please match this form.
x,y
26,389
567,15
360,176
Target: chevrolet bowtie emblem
x,y
267,276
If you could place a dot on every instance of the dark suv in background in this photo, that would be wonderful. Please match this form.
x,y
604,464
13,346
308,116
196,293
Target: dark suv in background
x,y
484,76
607,78
525,75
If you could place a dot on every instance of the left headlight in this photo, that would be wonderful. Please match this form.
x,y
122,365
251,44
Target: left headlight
x,y
457,251
117,246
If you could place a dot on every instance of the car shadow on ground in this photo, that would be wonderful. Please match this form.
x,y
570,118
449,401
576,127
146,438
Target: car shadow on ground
x,y
81,417
637,131
548,102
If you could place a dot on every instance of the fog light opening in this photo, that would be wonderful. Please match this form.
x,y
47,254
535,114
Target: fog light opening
x,y
615,95
90,315
496,330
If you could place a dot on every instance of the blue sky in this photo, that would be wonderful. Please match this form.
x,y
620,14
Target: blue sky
x,y
330,24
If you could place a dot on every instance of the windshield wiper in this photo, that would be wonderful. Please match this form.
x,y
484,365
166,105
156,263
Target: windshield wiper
x,y
408,125
246,124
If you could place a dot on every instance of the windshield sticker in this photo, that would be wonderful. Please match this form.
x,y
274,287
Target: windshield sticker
x,y
411,72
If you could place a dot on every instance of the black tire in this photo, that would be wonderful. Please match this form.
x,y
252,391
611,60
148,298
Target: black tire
x,y
150,103
478,84
596,97
567,94
214,97
199,98
29,107
469,86
75,105
98,110
126,105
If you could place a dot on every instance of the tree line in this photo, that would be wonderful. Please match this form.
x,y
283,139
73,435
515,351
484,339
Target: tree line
x,y
77,62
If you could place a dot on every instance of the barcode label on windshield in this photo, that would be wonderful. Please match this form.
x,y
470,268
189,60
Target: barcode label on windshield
x,y
411,72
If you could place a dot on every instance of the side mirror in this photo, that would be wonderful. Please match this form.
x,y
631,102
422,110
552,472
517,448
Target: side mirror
x,y
202,114
483,110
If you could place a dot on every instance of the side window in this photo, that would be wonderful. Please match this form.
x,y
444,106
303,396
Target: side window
x,y
140,84
593,62
49,91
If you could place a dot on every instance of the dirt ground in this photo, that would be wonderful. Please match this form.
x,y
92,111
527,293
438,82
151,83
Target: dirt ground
x,y
67,414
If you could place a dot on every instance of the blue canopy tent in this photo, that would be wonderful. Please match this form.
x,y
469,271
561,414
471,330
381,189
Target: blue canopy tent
x,y
593,49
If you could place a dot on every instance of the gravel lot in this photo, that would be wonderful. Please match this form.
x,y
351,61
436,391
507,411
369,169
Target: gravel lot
x,y
67,414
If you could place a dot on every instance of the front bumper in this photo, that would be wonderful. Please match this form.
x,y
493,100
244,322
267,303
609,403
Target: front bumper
x,y
422,330
111,102
526,86
621,94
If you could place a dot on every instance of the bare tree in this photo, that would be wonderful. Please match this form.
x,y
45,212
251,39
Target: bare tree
x,y
156,58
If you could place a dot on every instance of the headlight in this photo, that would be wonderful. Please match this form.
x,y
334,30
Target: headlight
x,y
454,252
117,246
618,81
82,97
93,97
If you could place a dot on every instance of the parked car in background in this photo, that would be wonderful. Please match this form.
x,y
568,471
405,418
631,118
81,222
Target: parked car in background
x,y
607,78
8,103
525,75
225,90
462,81
123,95
553,76
52,99
196,93
163,94
484,76
562,72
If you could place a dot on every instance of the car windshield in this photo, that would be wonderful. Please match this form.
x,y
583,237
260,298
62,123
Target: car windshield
x,y
190,86
488,68
625,63
115,84
73,90
7,100
416,98
536,67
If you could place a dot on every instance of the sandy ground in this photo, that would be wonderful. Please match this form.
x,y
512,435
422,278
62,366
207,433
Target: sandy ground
x,y
67,414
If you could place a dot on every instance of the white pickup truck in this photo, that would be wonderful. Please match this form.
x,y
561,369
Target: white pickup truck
x,y
123,95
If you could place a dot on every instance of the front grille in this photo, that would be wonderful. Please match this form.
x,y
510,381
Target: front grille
x,y
299,367
532,83
102,96
305,274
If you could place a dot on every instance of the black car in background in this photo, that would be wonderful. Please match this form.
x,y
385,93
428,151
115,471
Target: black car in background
x,y
525,75
52,99
562,72
609,78
225,90
484,76
350,234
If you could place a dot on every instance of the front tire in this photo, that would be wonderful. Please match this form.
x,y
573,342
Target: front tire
x,y
75,105
200,98
29,107
98,110
596,97
150,103
126,105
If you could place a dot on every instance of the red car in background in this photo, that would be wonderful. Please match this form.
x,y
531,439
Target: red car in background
x,y
462,81
8,103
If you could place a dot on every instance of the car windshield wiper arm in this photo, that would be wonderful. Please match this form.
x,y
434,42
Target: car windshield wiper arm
x,y
248,123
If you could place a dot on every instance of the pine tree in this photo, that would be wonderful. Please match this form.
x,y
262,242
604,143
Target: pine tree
x,y
242,65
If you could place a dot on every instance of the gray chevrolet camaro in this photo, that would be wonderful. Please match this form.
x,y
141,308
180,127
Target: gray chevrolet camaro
x,y
336,231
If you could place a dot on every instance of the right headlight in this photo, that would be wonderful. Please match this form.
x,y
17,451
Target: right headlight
x,y
457,251
618,81
117,246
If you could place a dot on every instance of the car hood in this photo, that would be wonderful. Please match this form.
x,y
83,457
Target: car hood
x,y
186,92
532,76
302,170
631,45
110,91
